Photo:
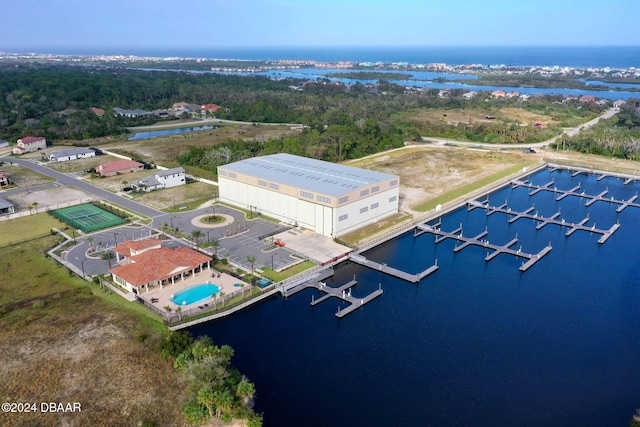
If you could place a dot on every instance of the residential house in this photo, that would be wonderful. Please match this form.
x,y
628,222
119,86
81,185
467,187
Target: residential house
x,y
146,263
4,180
6,207
587,99
28,144
130,113
118,167
499,93
210,108
179,106
470,94
71,154
97,111
161,179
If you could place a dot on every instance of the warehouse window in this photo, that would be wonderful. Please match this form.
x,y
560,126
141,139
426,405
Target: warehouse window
x,y
392,199
375,205
323,199
344,199
364,193
262,183
343,217
223,173
375,189
306,194
394,182
233,175
274,186
363,210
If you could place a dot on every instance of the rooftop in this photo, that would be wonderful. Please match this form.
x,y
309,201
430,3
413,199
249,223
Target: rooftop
x,y
310,174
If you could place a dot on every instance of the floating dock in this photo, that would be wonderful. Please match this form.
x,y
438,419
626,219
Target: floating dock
x,y
561,194
457,235
342,292
543,221
413,278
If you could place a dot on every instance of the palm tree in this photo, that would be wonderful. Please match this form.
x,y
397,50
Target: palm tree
x,y
179,313
223,402
215,244
35,206
245,390
252,261
90,240
197,234
108,256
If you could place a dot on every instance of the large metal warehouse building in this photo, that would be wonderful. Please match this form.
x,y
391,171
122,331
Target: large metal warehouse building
x,y
328,198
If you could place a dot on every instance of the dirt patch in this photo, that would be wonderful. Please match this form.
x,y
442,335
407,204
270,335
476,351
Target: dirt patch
x,y
426,172
24,177
470,116
48,199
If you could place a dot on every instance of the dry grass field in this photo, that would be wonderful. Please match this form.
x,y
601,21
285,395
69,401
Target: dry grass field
x,y
64,340
468,116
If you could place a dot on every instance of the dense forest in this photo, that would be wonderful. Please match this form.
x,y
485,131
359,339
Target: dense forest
x,y
341,120
617,137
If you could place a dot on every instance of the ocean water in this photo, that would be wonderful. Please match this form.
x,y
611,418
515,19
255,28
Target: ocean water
x,y
571,56
476,343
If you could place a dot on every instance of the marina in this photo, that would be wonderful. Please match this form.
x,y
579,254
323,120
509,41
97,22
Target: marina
x,y
543,221
342,292
413,278
561,194
478,240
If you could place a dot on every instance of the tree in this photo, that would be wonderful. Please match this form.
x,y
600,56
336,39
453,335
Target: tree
x,y
207,397
223,401
108,256
252,260
245,390
197,234
90,240
179,313
215,244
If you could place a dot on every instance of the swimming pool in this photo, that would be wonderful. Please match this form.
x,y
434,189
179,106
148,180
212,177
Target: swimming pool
x,y
195,293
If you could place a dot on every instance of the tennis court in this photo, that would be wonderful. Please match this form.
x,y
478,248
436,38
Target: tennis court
x,y
88,217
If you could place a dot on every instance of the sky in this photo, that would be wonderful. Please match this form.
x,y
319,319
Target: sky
x,y
47,25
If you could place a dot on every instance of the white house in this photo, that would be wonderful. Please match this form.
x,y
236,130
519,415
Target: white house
x,y
161,179
28,144
71,154
328,198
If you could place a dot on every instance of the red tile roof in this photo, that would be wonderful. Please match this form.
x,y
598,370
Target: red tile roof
x,y
210,107
31,139
129,247
158,264
119,165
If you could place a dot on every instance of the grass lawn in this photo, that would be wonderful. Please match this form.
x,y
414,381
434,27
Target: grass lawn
x,y
278,276
28,227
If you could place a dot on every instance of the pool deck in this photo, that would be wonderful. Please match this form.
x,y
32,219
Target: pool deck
x,y
225,282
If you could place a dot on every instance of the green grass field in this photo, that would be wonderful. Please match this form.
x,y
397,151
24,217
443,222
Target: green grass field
x,y
28,227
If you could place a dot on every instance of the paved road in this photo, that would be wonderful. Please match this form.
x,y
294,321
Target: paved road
x,y
206,122
65,179
569,132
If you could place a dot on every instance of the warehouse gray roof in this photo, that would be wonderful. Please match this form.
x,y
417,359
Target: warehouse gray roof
x,y
71,152
308,174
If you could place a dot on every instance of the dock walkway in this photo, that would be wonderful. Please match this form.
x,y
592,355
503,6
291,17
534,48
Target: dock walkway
x,y
561,194
543,221
342,292
457,235
413,278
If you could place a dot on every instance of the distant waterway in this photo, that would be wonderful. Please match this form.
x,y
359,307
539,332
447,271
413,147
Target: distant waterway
x,y
165,132
476,343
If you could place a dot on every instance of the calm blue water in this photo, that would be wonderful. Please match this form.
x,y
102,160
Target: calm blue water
x,y
571,56
476,343
157,133
195,294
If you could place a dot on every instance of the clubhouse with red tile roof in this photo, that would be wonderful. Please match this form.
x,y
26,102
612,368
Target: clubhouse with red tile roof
x,y
145,263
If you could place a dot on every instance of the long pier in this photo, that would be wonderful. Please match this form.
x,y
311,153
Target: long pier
x,y
561,194
543,221
478,240
413,278
342,292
